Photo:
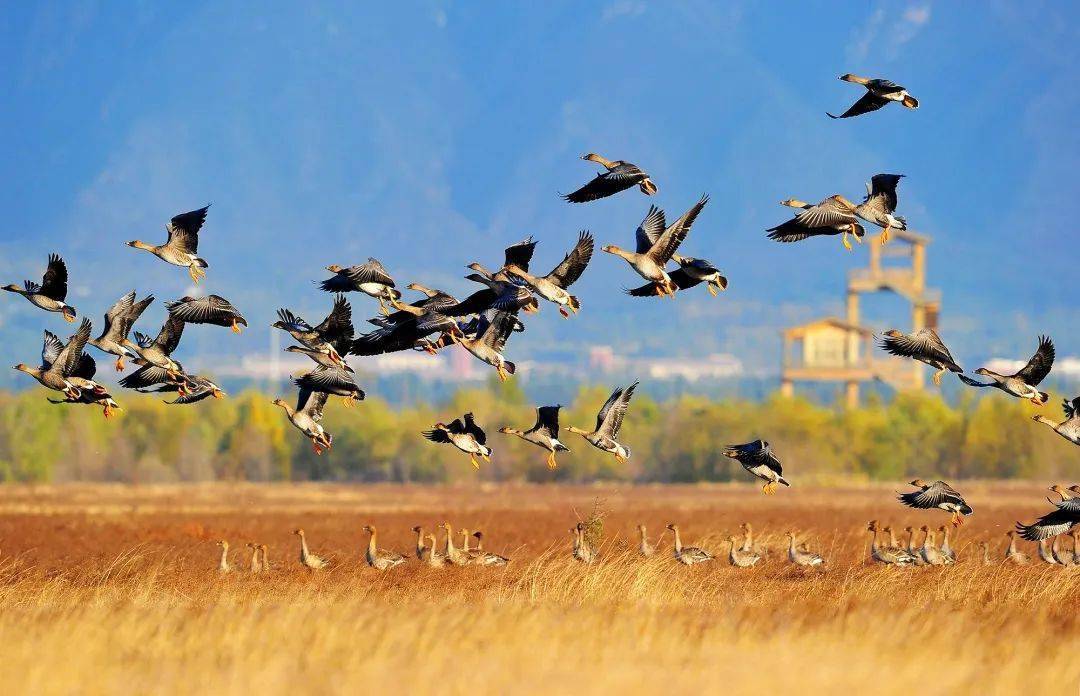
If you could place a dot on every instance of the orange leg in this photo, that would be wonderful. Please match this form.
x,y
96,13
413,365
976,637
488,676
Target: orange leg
x,y
120,364
235,327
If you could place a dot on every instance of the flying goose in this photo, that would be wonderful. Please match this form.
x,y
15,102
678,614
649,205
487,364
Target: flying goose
x,y
52,291
377,558
492,332
687,555
467,437
655,245
608,422
552,287
182,246
1023,383
61,363
307,417
832,216
879,92
371,278
880,203
332,380
938,495
190,389
158,351
619,176
758,458
923,345
81,376
1061,520
118,322
544,434
212,309
1068,428
329,337
510,293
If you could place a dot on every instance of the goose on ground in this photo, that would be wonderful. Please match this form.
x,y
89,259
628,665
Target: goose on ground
x,y
930,553
939,495
608,422
923,345
1065,557
1012,554
1046,554
879,92
431,554
371,278
987,560
420,538
1068,428
1022,384
182,246
947,550
453,554
467,436
832,216
739,558
687,555
619,176
802,558
889,555
758,458
582,551
655,245
545,433
479,556
307,558
52,291
256,562
377,558
212,309
644,547
118,322
307,418
223,562
552,287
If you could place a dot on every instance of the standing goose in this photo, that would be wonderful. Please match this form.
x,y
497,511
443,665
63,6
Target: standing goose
x,y
479,556
802,558
60,368
1068,428
687,555
307,418
182,246
1023,383
52,292
986,553
420,537
329,337
889,555
929,551
1046,554
453,554
256,562
377,558
938,495
608,422
739,558
911,548
158,351
307,558
1012,554
644,547
923,345
492,333
433,557
552,287
467,437
880,203
212,309
582,550
832,216
947,550
371,278
118,322
758,458
544,434
879,92
332,380
81,376
223,562
1062,556
656,244
619,176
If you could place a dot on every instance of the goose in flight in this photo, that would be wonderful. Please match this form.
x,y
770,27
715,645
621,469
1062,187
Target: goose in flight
x,y
938,495
467,436
333,381
1061,520
832,216
757,457
370,278
61,363
118,322
544,434
923,345
212,309
158,351
619,176
307,418
492,333
880,203
1068,428
52,291
608,422
82,376
552,287
329,338
1022,384
655,245
190,389
182,246
879,92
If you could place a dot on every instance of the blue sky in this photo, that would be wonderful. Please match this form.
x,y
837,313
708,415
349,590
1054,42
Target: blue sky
x,y
430,134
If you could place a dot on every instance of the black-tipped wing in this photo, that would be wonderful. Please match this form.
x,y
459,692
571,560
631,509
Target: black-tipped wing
x,y
145,376
606,184
547,420
67,362
520,254
668,243
169,336
312,403
372,272
650,230
610,418
1071,408
1039,366
51,346
184,230
869,102
115,316
498,330
755,454
883,188
680,277
331,380
338,324
924,344
571,268
475,430
932,496
437,435
54,284
1051,524
212,309
827,213
792,231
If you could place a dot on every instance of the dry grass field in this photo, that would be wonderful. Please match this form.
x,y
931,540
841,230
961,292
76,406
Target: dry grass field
x,y
115,589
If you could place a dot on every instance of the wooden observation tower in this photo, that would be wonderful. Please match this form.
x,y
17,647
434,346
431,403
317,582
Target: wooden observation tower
x,y
842,350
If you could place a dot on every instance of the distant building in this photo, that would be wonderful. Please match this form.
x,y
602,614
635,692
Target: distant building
x,y
601,359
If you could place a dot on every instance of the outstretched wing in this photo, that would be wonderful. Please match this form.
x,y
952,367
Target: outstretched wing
x,y
71,355
869,102
650,230
145,376
547,419
674,235
212,309
924,344
680,277
883,188
1071,409
1039,366
169,336
54,284
498,330
611,416
606,184
475,430
520,254
372,272
754,454
932,496
437,435
184,230
338,324
827,213
50,349
571,268
1051,524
